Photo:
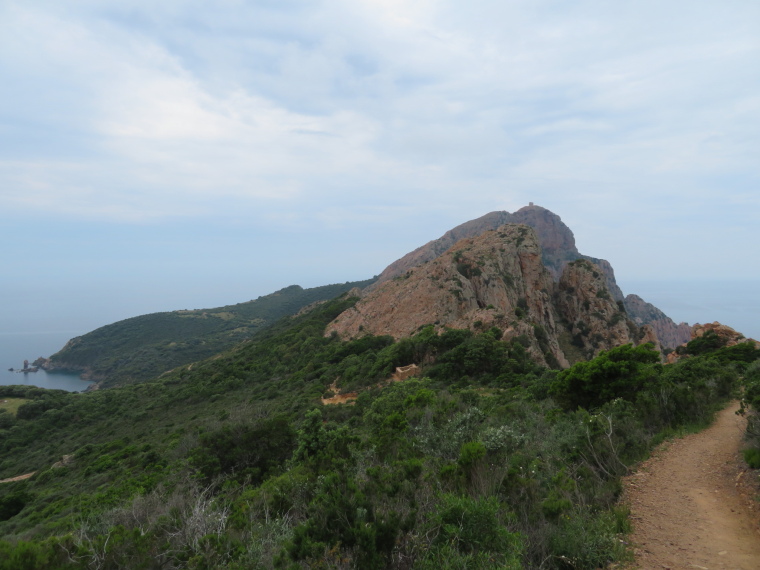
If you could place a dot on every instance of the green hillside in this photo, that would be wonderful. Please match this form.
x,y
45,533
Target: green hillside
x,y
143,347
484,461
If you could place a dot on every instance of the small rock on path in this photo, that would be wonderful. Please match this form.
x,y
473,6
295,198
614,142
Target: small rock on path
x,y
692,503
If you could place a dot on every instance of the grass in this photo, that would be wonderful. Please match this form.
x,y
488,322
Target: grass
x,y
12,404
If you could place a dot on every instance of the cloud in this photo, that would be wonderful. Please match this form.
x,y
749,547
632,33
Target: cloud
x,y
139,111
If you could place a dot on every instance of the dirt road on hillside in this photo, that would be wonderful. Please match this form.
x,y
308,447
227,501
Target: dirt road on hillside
x,y
19,478
692,502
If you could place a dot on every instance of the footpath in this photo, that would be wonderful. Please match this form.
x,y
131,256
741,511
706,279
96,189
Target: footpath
x,y
693,502
19,478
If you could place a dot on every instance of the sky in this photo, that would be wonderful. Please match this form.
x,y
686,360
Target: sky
x,y
186,154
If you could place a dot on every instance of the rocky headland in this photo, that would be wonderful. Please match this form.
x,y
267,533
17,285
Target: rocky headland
x,y
558,249
499,278
668,332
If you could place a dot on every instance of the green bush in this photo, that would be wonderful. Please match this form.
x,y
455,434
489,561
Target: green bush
x,y
28,555
244,452
475,526
447,557
752,457
588,540
6,419
13,502
620,372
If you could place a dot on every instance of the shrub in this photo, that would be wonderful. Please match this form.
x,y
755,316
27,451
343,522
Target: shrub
x,y
24,555
244,451
474,525
469,456
6,420
752,457
708,342
13,503
588,540
620,372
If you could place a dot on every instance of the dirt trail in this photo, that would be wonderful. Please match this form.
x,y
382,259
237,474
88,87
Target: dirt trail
x,y
692,502
18,478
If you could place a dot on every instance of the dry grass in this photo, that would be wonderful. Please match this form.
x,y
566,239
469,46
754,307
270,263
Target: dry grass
x,y
12,404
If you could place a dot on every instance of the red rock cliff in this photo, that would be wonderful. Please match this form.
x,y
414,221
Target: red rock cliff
x,y
497,278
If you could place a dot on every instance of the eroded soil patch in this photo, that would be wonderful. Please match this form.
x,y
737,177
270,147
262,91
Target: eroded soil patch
x,y
18,478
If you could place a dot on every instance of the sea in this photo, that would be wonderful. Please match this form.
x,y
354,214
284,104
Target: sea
x,y
17,347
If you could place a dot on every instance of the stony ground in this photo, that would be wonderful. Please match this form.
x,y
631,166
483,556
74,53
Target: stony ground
x,y
693,503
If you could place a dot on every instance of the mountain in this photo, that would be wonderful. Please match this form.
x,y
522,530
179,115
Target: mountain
x,y
143,347
499,278
557,243
557,250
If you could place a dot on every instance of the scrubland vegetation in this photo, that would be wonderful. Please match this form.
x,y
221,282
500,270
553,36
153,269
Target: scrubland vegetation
x,y
485,461
141,348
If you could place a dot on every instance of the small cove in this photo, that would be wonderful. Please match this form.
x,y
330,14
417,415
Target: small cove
x,y
17,347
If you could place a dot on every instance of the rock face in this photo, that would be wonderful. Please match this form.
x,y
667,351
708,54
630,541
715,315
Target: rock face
x,y
596,320
729,336
404,372
668,332
437,247
556,239
498,278
558,249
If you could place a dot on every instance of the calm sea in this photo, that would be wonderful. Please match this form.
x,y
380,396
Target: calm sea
x,y
17,347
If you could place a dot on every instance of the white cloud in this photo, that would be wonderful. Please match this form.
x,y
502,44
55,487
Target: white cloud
x,y
307,110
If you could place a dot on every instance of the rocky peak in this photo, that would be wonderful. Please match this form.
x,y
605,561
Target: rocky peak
x,y
437,247
558,249
496,278
552,232
728,336
495,269
558,245
555,238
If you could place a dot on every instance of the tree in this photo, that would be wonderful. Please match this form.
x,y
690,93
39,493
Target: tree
x,y
620,372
